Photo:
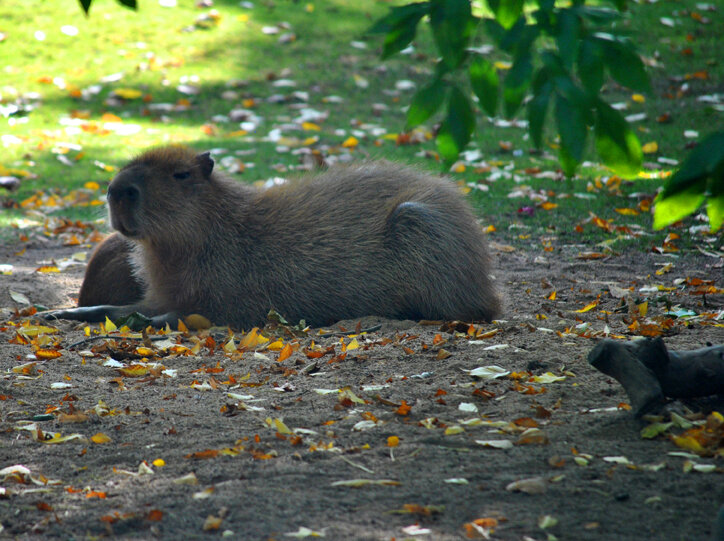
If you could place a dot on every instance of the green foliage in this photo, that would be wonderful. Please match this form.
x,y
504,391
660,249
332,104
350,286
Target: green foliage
x,y
559,54
426,102
399,27
484,82
458,126
700,177
615,141
86,4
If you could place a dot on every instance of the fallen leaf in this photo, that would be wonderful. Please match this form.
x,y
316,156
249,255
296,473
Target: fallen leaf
x,y
100,438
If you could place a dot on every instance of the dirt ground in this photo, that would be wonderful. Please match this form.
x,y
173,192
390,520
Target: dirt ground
x,y
149,440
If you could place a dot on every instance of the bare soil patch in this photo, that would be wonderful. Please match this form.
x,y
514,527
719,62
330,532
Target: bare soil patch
x,y
256,448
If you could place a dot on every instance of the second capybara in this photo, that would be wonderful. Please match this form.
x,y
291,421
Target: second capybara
x,y
372,238
109,277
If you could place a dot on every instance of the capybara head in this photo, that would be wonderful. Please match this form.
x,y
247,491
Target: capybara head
x,y
157,189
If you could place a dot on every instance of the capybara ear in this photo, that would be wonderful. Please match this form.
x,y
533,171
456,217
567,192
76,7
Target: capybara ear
x,y
205,163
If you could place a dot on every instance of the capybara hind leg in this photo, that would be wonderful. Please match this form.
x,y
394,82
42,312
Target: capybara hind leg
x,y
443,261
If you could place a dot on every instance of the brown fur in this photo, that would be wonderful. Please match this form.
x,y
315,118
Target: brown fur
x,y
367,239
109,277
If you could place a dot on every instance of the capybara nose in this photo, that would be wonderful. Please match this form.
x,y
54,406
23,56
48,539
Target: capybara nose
x,y
123,192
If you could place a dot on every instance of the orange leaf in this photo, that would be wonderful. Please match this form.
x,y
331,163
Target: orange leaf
x,y
96,494
110,117
285,353
208,453
155,515
404,409
44,354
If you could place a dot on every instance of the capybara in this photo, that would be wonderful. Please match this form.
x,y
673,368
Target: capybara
x,y
371,238
109,277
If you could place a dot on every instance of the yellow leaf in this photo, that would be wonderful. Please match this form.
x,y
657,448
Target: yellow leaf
x,y
638,98
128,93
100,438
47,268
502,65
230,346
91,185
281,427
627,211
353,344
253,339
650,148
59,438
643,308
36,330
310,126
547,205
159,462
197,322
689,443
110,326
350,142
548,377
666,268
276,345
552,296
134,371
588,307
459,168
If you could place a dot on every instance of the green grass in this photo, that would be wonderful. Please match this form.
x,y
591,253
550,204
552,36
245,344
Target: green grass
x,y
155,54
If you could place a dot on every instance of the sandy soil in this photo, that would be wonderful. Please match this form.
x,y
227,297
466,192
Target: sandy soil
x,y
238,444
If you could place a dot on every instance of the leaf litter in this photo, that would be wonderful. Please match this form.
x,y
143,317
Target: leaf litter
x,y
234,411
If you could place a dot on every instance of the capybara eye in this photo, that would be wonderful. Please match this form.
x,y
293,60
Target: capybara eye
x,y
182,175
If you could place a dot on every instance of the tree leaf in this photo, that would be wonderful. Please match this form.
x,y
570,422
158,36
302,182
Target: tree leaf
x,y
715,211
568,163
702,170
400,26
484,82
616,143
538,106
452,25
570,119
85,5
128,3
624,65
567,35
598,14
457,128
672,208
507,12
590,65
425,103
516,84
706,160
